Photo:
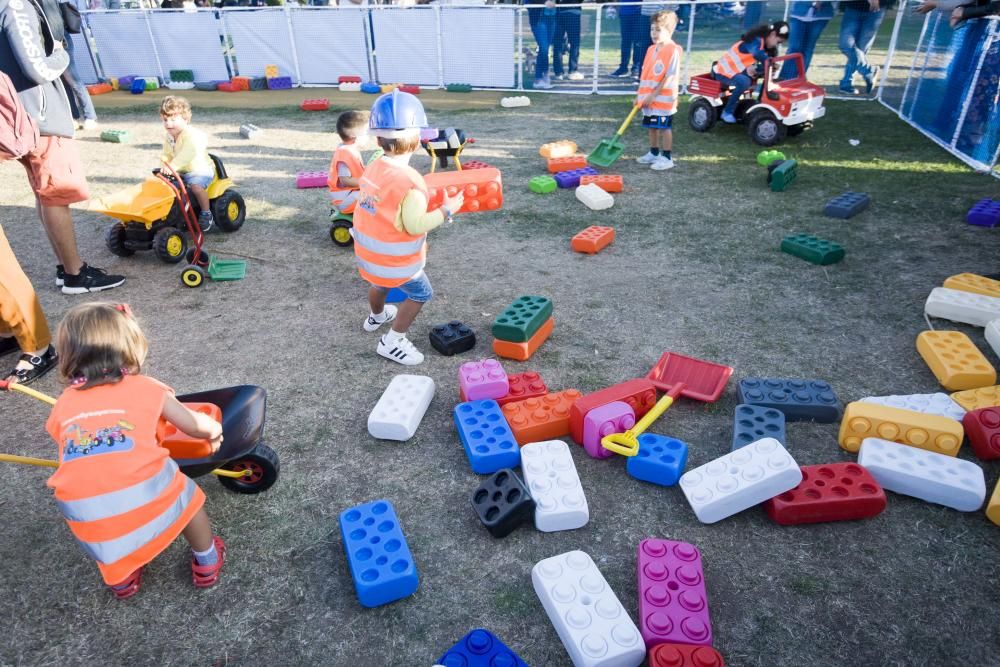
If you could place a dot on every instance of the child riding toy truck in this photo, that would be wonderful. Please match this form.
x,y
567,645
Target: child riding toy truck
x,y
786,107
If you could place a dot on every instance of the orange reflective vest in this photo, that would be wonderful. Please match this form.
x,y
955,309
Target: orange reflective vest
x,y
122,495
660,59
386,256
734,61
350,155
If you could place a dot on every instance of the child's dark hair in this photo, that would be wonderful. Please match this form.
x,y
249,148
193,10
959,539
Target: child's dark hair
x,y
762,30
350,124
399,145
99,343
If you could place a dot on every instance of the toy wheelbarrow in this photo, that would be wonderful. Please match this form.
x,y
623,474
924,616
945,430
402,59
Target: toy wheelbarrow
x,y
448,143
243,463
678,376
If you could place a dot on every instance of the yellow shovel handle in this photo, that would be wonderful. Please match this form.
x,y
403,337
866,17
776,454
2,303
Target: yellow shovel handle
x,y
627,443
12,458
621,130
651,416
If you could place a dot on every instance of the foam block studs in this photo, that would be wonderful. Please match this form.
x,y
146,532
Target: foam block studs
x,y
522,386
934,478
594,198
371,88
537,419
550,475
607,182
984,213
593,239
279,83
766,157
311,179
562,148
321,104
522,318
993,335
271,71
241,82
939,404
739,480
847,205
138,86
684,655
568,163
542,185
973,399
753,422
458,88
483,188
502,503
955,360
673,605
116,136
800,400
524,351
249,131
812,249
381,563
869,420
571,179
515,101
348,79
660,460
593,625
488,441
959,306
475,164
125,82
483,379
970,282
349,87
615,417
480,648
983,428
452,338
639,394
399,411
782,175
828,492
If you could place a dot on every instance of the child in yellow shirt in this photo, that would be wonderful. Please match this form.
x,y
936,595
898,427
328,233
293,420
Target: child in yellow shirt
x,y
185,148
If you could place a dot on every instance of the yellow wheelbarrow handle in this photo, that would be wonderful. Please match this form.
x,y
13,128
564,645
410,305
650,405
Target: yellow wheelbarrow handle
x,y
627,443
44,398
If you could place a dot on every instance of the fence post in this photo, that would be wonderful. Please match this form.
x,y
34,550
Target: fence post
x,y
156,51
597,48
520,49
900,15
687,50
913,65
291,41
440,46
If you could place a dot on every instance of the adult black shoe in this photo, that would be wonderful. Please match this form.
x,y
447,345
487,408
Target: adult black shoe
x,y
90,279
39,366
60,275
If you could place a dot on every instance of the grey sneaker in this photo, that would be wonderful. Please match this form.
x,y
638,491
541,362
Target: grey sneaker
x,y
662,163
648,158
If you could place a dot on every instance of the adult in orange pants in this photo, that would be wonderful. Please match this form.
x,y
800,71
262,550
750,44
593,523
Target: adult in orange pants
x,y
22,322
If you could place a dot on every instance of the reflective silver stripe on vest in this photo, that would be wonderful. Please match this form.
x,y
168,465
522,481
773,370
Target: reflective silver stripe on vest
x,y
407,271
664,99
118,502
116,549
390,248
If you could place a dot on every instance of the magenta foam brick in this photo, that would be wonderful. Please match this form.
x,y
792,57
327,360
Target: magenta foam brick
x,y
673,606
483,380
614,417
311,179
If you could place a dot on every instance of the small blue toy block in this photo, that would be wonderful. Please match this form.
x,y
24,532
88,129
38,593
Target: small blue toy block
x,y
125,82
371,88
660,460
395,295
753,422
847,205
486,436
985,213
279,83
138,86
571,179
480,648
800,400
381,563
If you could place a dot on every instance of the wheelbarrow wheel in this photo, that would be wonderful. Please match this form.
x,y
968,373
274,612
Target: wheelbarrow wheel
x,y
170,244
116,240
202,258
229,210
262,462
193,276
340,233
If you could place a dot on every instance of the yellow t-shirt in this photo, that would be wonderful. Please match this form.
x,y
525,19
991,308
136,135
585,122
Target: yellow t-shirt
x,y
188,154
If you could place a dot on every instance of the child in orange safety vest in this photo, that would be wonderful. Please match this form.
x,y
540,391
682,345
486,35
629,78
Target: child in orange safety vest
x,y
124,498
391,222
347,165
659,84
743,62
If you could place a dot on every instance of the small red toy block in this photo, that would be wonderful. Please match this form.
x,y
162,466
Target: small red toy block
x,y
523,351
348,79
639,393
241,82
412,89
983,429
483,189
475,164
829,492
228,87
593,239
315,105
522,386
99,88
557,164
684,655
540,419
606,182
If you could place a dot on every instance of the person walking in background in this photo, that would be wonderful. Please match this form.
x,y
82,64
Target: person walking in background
x,y
567,31
807,21
633,46
543,26
862,19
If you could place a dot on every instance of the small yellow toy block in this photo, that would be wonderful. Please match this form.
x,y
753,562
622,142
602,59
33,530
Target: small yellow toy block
x,y
955,360
388,87
871,420
974,399
564,148
993,507
114,82
970,282
271,71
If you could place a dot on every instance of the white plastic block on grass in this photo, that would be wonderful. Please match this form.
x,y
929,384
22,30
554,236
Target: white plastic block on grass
x,y
350,87
550,475
939,404
516,101
587,615
740,479
398,412
594,197
180,85
993,335
249,131
959,306
935,478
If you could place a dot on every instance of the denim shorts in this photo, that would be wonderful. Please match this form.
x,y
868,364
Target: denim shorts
x,y
658,122
203,180
417,288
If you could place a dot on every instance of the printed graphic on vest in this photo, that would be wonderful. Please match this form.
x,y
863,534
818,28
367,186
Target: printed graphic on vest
x,y
80,442
368,202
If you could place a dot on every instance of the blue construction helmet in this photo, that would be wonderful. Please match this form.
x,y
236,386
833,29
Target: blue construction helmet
x,y
396,114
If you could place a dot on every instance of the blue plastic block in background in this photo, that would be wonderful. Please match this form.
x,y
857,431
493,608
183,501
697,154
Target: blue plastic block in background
x,y
480,648
138,86
753,422
381,563
371,88
800,400
486,436
660,460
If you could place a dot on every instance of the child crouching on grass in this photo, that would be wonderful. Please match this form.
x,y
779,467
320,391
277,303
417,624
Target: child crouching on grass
x,y
185,148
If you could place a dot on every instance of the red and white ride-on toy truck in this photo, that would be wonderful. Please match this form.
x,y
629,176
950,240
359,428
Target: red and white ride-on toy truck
x,y
785,107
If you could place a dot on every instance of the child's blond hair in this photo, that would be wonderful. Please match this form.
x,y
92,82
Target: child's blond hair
x,y
665,20
99,343
400,145
351,124
175,105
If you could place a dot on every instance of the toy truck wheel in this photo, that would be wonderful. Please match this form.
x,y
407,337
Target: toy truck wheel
x,y
765,129
116,240
170,244
202,258
340,233
702,115
262,462
229,210
193,276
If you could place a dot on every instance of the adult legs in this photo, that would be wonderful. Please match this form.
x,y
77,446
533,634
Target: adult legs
x,y
796,43
629,26
866,37
542,27
71,77
573,36
58,224
850,27
559,43
813,30
641,44
752,14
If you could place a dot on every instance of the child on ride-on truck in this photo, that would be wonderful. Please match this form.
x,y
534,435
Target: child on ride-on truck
x,y
347,165
659,84
185,148
743,62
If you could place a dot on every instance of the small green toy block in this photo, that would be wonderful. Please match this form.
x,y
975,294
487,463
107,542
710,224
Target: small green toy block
x,y
765,158
813,249
542,185
182,75
459,87
782,175
521,319
152,84
116,136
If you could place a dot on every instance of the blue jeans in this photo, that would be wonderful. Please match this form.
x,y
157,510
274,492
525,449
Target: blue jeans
x,y
741,83
752,14
71,77
857,33
201,180
631,47
416,289
802,39
543,27
567,29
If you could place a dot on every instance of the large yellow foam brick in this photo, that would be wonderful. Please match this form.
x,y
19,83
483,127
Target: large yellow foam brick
x,y
871,420
993,507
973,399
970,282
955,360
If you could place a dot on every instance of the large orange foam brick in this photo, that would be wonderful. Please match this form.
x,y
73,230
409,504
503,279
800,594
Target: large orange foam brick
x,y
974,399
606,182
970,282
955,360
180,444
563,148
593,239
483,188
539,419
557,164
871,420
523,351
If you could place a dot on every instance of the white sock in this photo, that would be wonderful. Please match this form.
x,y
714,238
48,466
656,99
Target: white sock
x,y
379,315
208,557
392,335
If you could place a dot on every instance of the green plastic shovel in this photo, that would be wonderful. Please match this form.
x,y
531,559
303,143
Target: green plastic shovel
x,y
611,149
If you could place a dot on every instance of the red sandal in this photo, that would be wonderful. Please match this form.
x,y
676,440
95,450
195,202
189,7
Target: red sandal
x,y
205,576
129,587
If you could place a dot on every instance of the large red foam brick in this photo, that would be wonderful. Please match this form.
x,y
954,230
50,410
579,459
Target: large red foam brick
x,y
640,394
483,188
557,164
829,492
315,105
982,426
684,655
606,182
522,386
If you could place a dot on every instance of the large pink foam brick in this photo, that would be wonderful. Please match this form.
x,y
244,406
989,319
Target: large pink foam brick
x,y
311,179
673,606
483,379
614,417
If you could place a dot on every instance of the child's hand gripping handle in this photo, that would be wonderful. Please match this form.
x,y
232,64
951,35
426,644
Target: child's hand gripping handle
x,y
627,443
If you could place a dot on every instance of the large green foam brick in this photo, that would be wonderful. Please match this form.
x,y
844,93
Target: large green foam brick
x,y
782,175
116,136
542,185
812,249
765,158
182,75
521,319
459,88
152,84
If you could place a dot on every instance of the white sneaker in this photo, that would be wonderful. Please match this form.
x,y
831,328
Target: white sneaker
x,y
373,323
400,350
648,158
90,124
575,76
662,163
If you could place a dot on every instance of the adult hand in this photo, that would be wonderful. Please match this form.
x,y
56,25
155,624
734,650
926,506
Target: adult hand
x,y
927,6
550,4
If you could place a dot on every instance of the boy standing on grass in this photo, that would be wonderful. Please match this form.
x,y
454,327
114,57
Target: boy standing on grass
x,y
185,148
658,87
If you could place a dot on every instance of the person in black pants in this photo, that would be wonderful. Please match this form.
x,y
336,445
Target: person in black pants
x,y
632,44
567,30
